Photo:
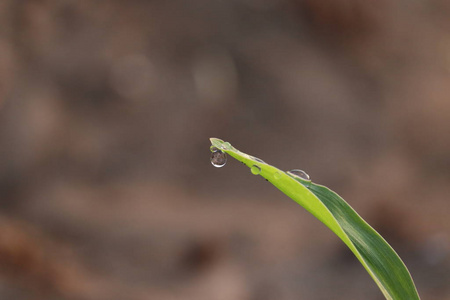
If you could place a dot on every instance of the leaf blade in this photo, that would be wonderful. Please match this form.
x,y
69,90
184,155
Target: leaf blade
x,y
375,254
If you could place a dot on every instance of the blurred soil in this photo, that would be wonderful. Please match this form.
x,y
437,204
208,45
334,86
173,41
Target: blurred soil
x,y
106,107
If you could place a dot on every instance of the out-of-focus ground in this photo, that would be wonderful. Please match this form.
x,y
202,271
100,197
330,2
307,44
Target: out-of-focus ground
x,y
106,108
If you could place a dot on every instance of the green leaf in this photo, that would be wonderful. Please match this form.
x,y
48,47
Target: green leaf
x,y
375,254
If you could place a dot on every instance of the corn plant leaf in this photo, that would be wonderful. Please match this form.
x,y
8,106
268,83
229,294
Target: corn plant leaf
x,y
375,254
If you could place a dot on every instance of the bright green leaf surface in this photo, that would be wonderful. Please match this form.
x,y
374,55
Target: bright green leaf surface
x,y
378,258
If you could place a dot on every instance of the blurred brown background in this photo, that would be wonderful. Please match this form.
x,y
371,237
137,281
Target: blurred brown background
x,y
106,108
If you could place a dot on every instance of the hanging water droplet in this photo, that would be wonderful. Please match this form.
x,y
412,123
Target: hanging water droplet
x,y
255,170
218,158
277,175
300,173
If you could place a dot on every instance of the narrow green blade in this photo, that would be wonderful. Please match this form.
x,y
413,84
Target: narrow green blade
x,y
378,258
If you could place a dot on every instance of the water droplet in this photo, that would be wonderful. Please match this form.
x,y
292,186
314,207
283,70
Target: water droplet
x,y
213,148
257,159
277,175
226,146
255,170
218,158
300,173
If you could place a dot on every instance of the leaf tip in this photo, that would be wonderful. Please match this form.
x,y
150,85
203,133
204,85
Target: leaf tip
x,y
216,142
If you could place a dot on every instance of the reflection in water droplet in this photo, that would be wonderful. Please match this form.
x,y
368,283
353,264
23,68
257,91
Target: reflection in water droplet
x,y
300,173
277,175
218,158
255,170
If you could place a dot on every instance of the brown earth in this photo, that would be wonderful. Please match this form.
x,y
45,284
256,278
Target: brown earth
x,y
106,107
